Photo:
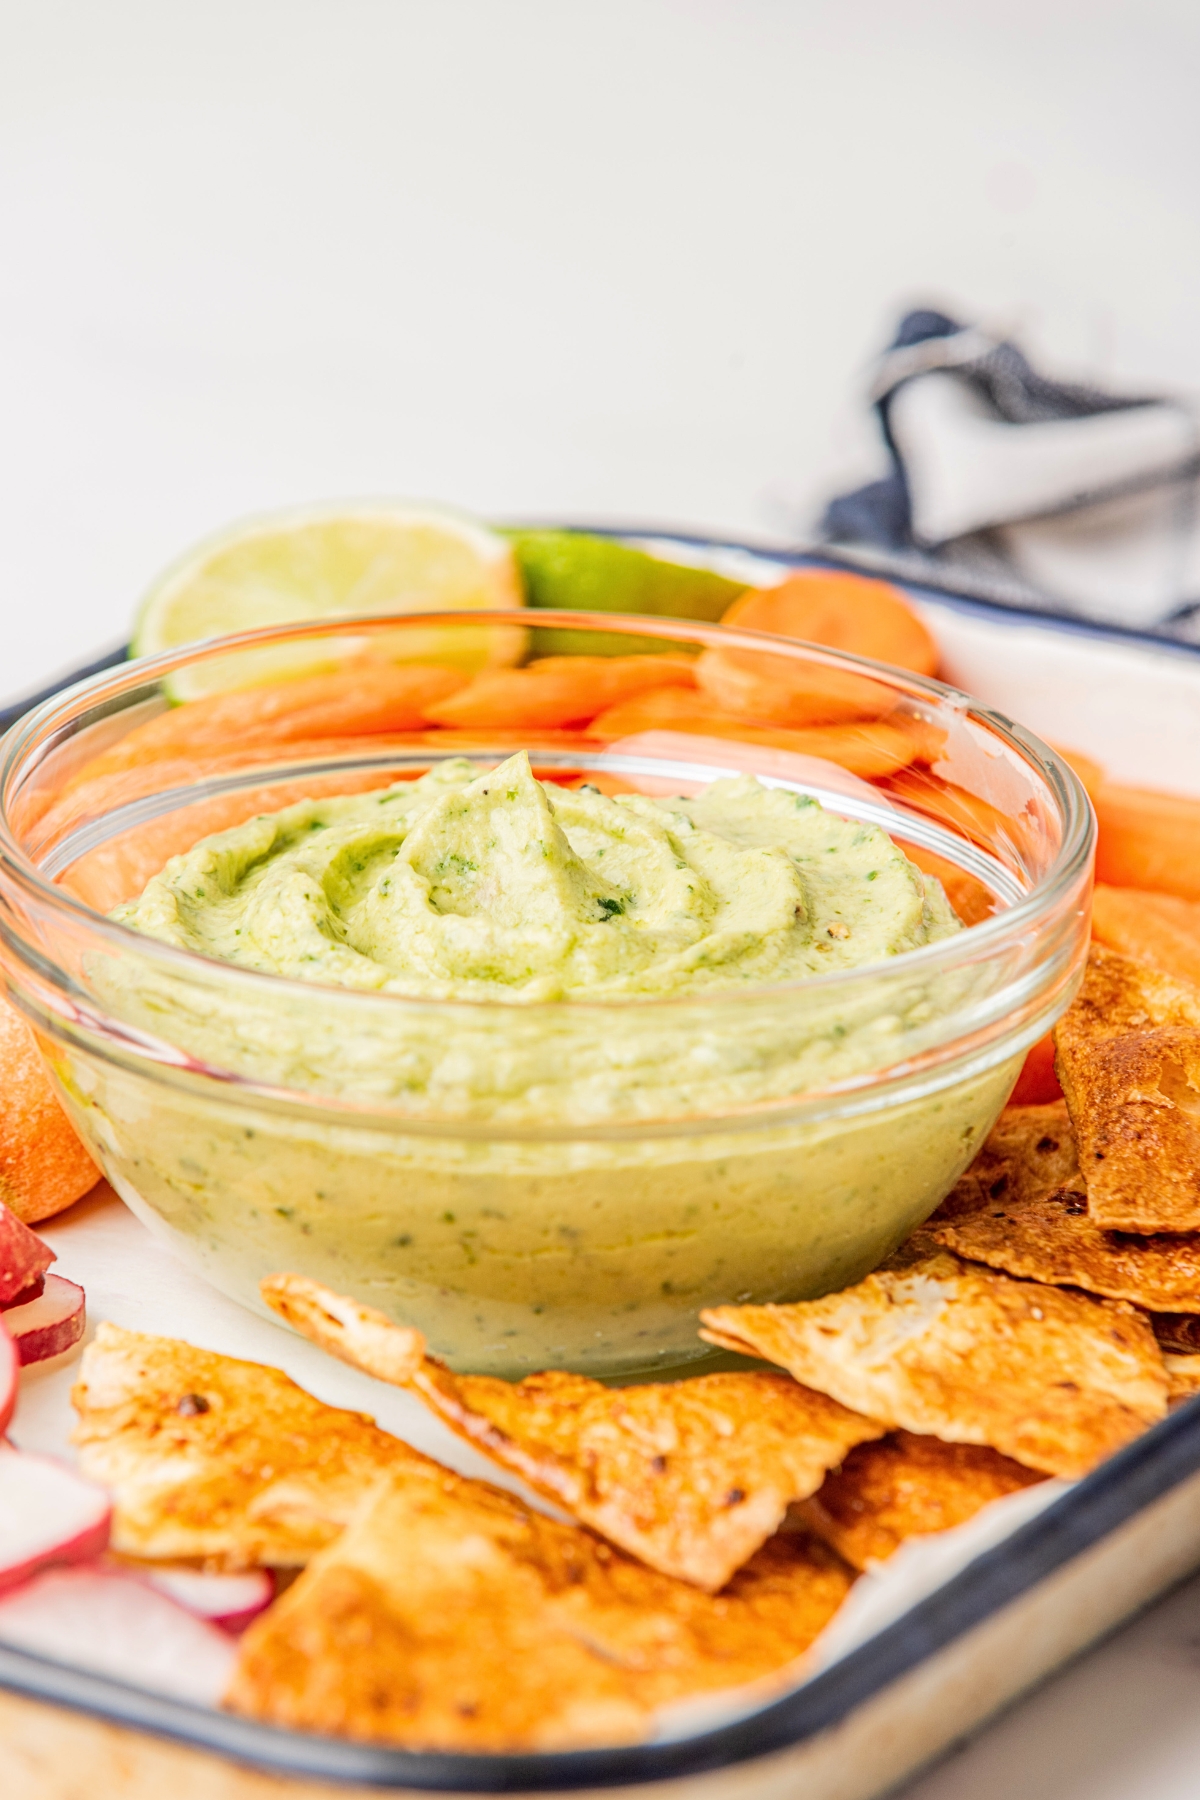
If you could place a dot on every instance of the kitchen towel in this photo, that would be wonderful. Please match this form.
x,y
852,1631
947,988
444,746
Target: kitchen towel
x,y
1041,494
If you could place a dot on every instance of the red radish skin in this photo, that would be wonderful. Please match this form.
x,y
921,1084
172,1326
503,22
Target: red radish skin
x,y
10,1373
32,1292
50,1324
230,1601
94,1617
48,1514
23,1256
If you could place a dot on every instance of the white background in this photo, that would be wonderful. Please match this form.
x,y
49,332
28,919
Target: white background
x,y
621,260
554,258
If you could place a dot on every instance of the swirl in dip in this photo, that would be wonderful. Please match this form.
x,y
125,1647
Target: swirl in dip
x,y
585,1166
496,887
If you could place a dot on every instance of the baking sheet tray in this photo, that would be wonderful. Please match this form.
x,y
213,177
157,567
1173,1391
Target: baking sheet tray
x,y
1017,1608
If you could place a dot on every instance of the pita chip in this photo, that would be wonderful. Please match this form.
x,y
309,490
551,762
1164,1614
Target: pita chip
x,y
224,1461
689,1476
904,1486
1128,1057
1021,1207
1183,1373
1052,1238
460,1619
1054,1379
1030,1150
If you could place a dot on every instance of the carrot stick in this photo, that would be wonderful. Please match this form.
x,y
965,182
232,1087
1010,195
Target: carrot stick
x,y
780,692
868,749
558,690
846,611
1160,929
1148,840
43,1165
966,893
100,794
977,819
362,699
447,741
1087,769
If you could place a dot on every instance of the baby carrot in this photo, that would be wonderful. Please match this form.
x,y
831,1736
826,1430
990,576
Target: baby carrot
x,y
955,806
966,893
1086,767
781,692
846,611
100,794
558,690
1148,840
869,749
1160,929
364,699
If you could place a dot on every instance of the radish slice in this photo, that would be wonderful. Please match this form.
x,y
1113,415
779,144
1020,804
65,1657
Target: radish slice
x,y
96,1618
36,1288
23,1256
50,1324
48,1514
230,1601
10,1370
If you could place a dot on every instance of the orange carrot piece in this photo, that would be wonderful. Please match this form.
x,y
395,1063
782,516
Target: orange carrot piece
x,y
446,741
558,690
930,739
43,1165
869,749
1148,840
966,893
363,699
1160,929
1037,1084
621,675
100,794
843,610
1086,767
977,819
781,692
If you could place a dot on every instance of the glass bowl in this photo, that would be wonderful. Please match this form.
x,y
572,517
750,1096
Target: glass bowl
x,y
559,1183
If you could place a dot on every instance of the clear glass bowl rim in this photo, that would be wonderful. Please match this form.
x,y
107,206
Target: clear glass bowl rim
x,y
42,725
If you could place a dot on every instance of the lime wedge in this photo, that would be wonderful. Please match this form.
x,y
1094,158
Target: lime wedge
x,y
596,574
325,563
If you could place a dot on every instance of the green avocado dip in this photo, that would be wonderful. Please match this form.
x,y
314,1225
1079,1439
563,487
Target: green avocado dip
x,y
566,1177
497,887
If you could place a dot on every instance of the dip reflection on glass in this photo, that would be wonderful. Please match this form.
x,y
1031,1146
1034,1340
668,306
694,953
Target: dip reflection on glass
x,y
511,1242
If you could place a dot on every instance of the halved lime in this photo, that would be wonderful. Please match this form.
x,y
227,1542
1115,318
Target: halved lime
x,y
325,563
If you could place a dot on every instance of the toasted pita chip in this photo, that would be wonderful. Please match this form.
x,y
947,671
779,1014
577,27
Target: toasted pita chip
x,y
1129,1062
226,1461
1030,1150
905,1486
689,1476
1021,1207
1051,1238
1183,1373
461,1620
1056,1380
